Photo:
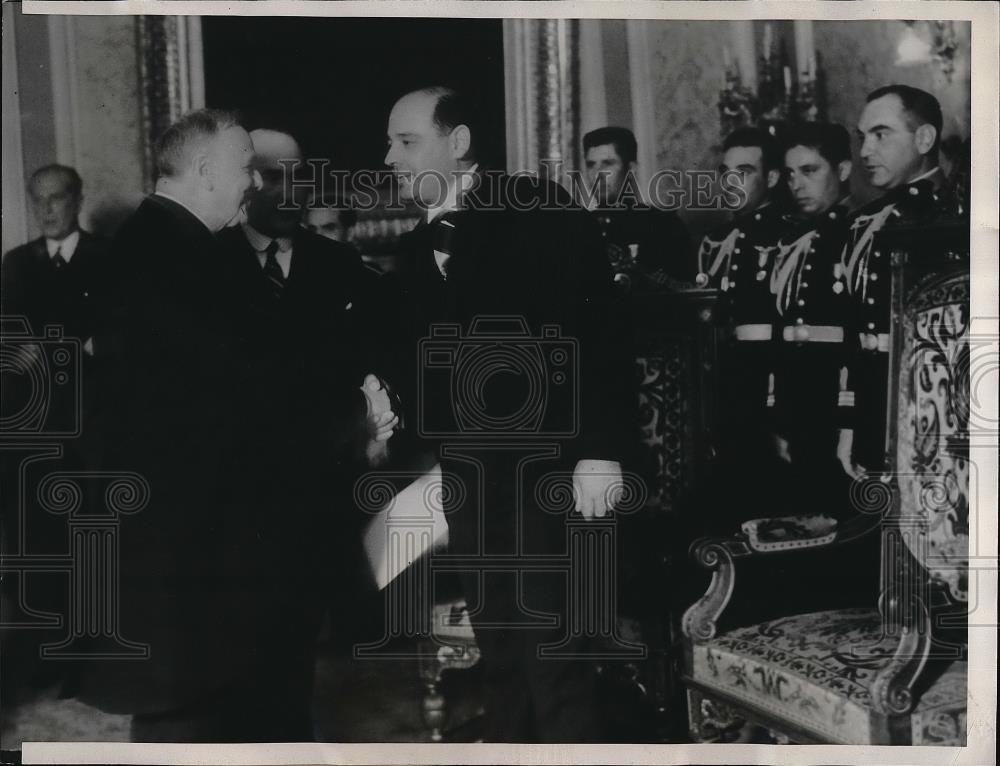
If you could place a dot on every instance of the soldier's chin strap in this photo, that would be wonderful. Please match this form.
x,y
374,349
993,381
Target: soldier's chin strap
x,y
786,263
722,255
862,246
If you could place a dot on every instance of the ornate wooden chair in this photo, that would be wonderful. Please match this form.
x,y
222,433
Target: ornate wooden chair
x,y
891,672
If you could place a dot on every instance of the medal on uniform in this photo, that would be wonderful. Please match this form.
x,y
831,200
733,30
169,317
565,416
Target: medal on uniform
x,y
838,287
724,284
761,275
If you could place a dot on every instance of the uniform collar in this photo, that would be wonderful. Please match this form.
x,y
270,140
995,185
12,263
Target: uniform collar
x,y
66,246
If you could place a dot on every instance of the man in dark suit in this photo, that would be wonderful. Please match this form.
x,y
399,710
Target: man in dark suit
x,y
53,282
310,318
57,278
189,410
517,269
649,248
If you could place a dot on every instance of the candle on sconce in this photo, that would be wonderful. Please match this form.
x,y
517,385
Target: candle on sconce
x,y
788,79
767,42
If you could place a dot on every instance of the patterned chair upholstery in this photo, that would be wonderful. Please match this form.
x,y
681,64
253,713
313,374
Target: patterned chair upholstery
x,y
887,673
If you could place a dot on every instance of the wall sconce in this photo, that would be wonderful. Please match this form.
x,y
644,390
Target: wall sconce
x,y
940,47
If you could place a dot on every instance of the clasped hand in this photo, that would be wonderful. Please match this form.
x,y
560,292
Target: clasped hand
x,y
382,421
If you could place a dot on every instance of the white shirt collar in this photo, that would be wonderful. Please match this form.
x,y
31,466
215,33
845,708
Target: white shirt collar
x,y
66,246
259,242
172,198
466,178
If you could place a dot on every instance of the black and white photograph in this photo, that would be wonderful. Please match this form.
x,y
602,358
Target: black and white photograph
x,y
469,382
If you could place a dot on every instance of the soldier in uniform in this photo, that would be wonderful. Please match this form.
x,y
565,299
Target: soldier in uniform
x,y
737,259
810,399
647,248
900,130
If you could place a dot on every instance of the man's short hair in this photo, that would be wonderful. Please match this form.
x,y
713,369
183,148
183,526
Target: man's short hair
x,y
770,151
622,138
451,109
173,148
831,140
72,178
921,108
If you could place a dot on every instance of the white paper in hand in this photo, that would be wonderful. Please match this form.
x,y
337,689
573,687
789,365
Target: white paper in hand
x,y
412,524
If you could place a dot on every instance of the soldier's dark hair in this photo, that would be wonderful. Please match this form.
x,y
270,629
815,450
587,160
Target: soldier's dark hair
x,y
831,140
451,109
770,151
921,108
72,178
622,138
173,148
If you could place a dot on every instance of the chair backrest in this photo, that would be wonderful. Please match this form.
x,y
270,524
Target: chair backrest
x,y
929,399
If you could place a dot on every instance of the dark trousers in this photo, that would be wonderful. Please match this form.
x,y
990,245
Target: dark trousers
x,y
515,613
870,380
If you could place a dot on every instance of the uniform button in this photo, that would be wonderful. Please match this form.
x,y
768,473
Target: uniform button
x,y
871,301
737,250
817,236
802,302
86,294
805,284
732,284
800,320
736,267
833,215
878,253
871,325
756,216
914,191
809,267
812,249
743,235
874,277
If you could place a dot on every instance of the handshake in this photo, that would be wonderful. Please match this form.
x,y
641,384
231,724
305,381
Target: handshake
x,y
381,421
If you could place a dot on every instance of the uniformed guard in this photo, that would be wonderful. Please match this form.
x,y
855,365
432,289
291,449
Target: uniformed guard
x,y
811,400
737,259
648,248
900,129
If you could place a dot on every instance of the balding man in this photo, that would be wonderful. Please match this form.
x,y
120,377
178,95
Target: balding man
x,y
187,396
514,260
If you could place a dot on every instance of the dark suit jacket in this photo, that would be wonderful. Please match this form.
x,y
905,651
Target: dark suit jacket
x,y
175,410
310,351
69,297
512,257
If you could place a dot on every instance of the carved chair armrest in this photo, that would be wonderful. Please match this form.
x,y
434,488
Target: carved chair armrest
x,y
720,555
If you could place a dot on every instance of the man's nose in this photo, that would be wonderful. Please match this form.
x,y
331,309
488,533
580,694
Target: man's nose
x,y
390,156
866,148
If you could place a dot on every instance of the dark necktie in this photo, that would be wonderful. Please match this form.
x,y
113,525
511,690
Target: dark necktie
x,y
272,270
57,260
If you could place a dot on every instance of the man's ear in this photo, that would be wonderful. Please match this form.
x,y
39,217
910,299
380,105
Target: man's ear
x,y
461,142
204,170
773,176
844,170
926,135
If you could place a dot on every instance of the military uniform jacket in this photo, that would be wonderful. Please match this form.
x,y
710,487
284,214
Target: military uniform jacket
x,y
738,259
810,295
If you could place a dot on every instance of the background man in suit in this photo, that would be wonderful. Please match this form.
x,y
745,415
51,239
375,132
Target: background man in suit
x,y
56,280
311,320
663,249
490,247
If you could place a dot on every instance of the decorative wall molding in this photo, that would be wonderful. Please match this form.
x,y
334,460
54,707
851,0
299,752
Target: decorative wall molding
x,y
171,76
65,100
543,92
15,211
640,61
